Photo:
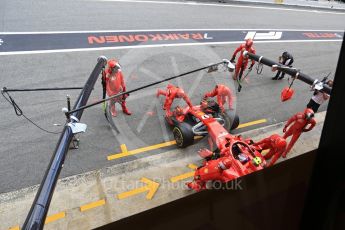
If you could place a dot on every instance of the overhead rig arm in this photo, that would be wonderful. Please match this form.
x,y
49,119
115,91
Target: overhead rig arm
x,y
212,66
294,73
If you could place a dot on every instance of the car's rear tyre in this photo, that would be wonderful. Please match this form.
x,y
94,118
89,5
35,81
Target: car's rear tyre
x,y
183,135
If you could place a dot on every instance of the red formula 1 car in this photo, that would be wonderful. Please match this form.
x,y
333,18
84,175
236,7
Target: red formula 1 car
x,y
233,157
188,122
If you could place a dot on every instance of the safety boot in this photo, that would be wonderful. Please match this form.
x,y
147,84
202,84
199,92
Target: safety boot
x,y
124,109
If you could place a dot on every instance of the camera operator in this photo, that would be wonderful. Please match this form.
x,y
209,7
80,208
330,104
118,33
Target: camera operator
x,y
319,97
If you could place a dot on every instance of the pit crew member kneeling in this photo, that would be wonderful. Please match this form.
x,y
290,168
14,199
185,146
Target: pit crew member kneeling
x,y
276,145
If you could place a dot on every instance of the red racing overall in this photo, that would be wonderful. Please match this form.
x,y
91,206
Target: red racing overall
x,y
242,62
223,94
211,170
115,84
299,122
276,145
170,94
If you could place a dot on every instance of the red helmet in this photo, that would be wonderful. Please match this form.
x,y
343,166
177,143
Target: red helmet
x,y
169,87
249,42
112,63
309,113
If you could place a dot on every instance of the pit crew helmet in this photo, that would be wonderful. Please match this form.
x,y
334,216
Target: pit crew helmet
x,y
249,42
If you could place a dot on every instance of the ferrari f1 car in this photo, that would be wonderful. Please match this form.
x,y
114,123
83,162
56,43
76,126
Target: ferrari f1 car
x,y
188,122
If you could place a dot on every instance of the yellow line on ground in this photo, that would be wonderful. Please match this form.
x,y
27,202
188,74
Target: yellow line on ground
x,y
132,192
251,123
192,166
181,177
124,148
140,150
55,217
49,219
92,205
184,175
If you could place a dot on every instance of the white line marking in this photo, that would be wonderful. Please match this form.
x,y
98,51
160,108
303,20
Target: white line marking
x,y
225,5
162,122
159,30
144,118
152,46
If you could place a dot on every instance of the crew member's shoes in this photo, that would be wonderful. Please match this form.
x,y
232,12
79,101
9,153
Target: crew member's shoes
x,y
281,77
126,111
275,78
113,110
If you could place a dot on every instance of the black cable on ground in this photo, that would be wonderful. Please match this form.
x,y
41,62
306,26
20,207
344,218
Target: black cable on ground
x,y
19,111
40,89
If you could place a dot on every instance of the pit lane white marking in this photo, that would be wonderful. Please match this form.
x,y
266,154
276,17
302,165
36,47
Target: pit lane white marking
x,y
316,10
264,36
152,46
158,30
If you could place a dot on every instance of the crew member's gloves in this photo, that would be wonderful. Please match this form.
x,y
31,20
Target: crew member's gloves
x,y
306,130
284,129
124,96
232,59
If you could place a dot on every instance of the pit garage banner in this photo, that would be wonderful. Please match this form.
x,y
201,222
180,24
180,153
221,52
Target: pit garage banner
x,y
41,42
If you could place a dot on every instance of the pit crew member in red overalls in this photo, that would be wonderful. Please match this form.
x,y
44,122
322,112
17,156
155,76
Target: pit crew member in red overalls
x,y
242,62
170,94
223,94
276,145
212,170
299,123
114,85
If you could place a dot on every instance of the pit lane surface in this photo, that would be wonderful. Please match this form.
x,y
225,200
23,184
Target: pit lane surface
x,y
26,151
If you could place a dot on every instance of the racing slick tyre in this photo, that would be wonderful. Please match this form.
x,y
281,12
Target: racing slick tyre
x,y
183,135
231,120
235,122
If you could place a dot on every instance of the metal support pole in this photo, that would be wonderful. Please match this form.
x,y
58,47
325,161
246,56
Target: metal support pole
x,y
38,212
